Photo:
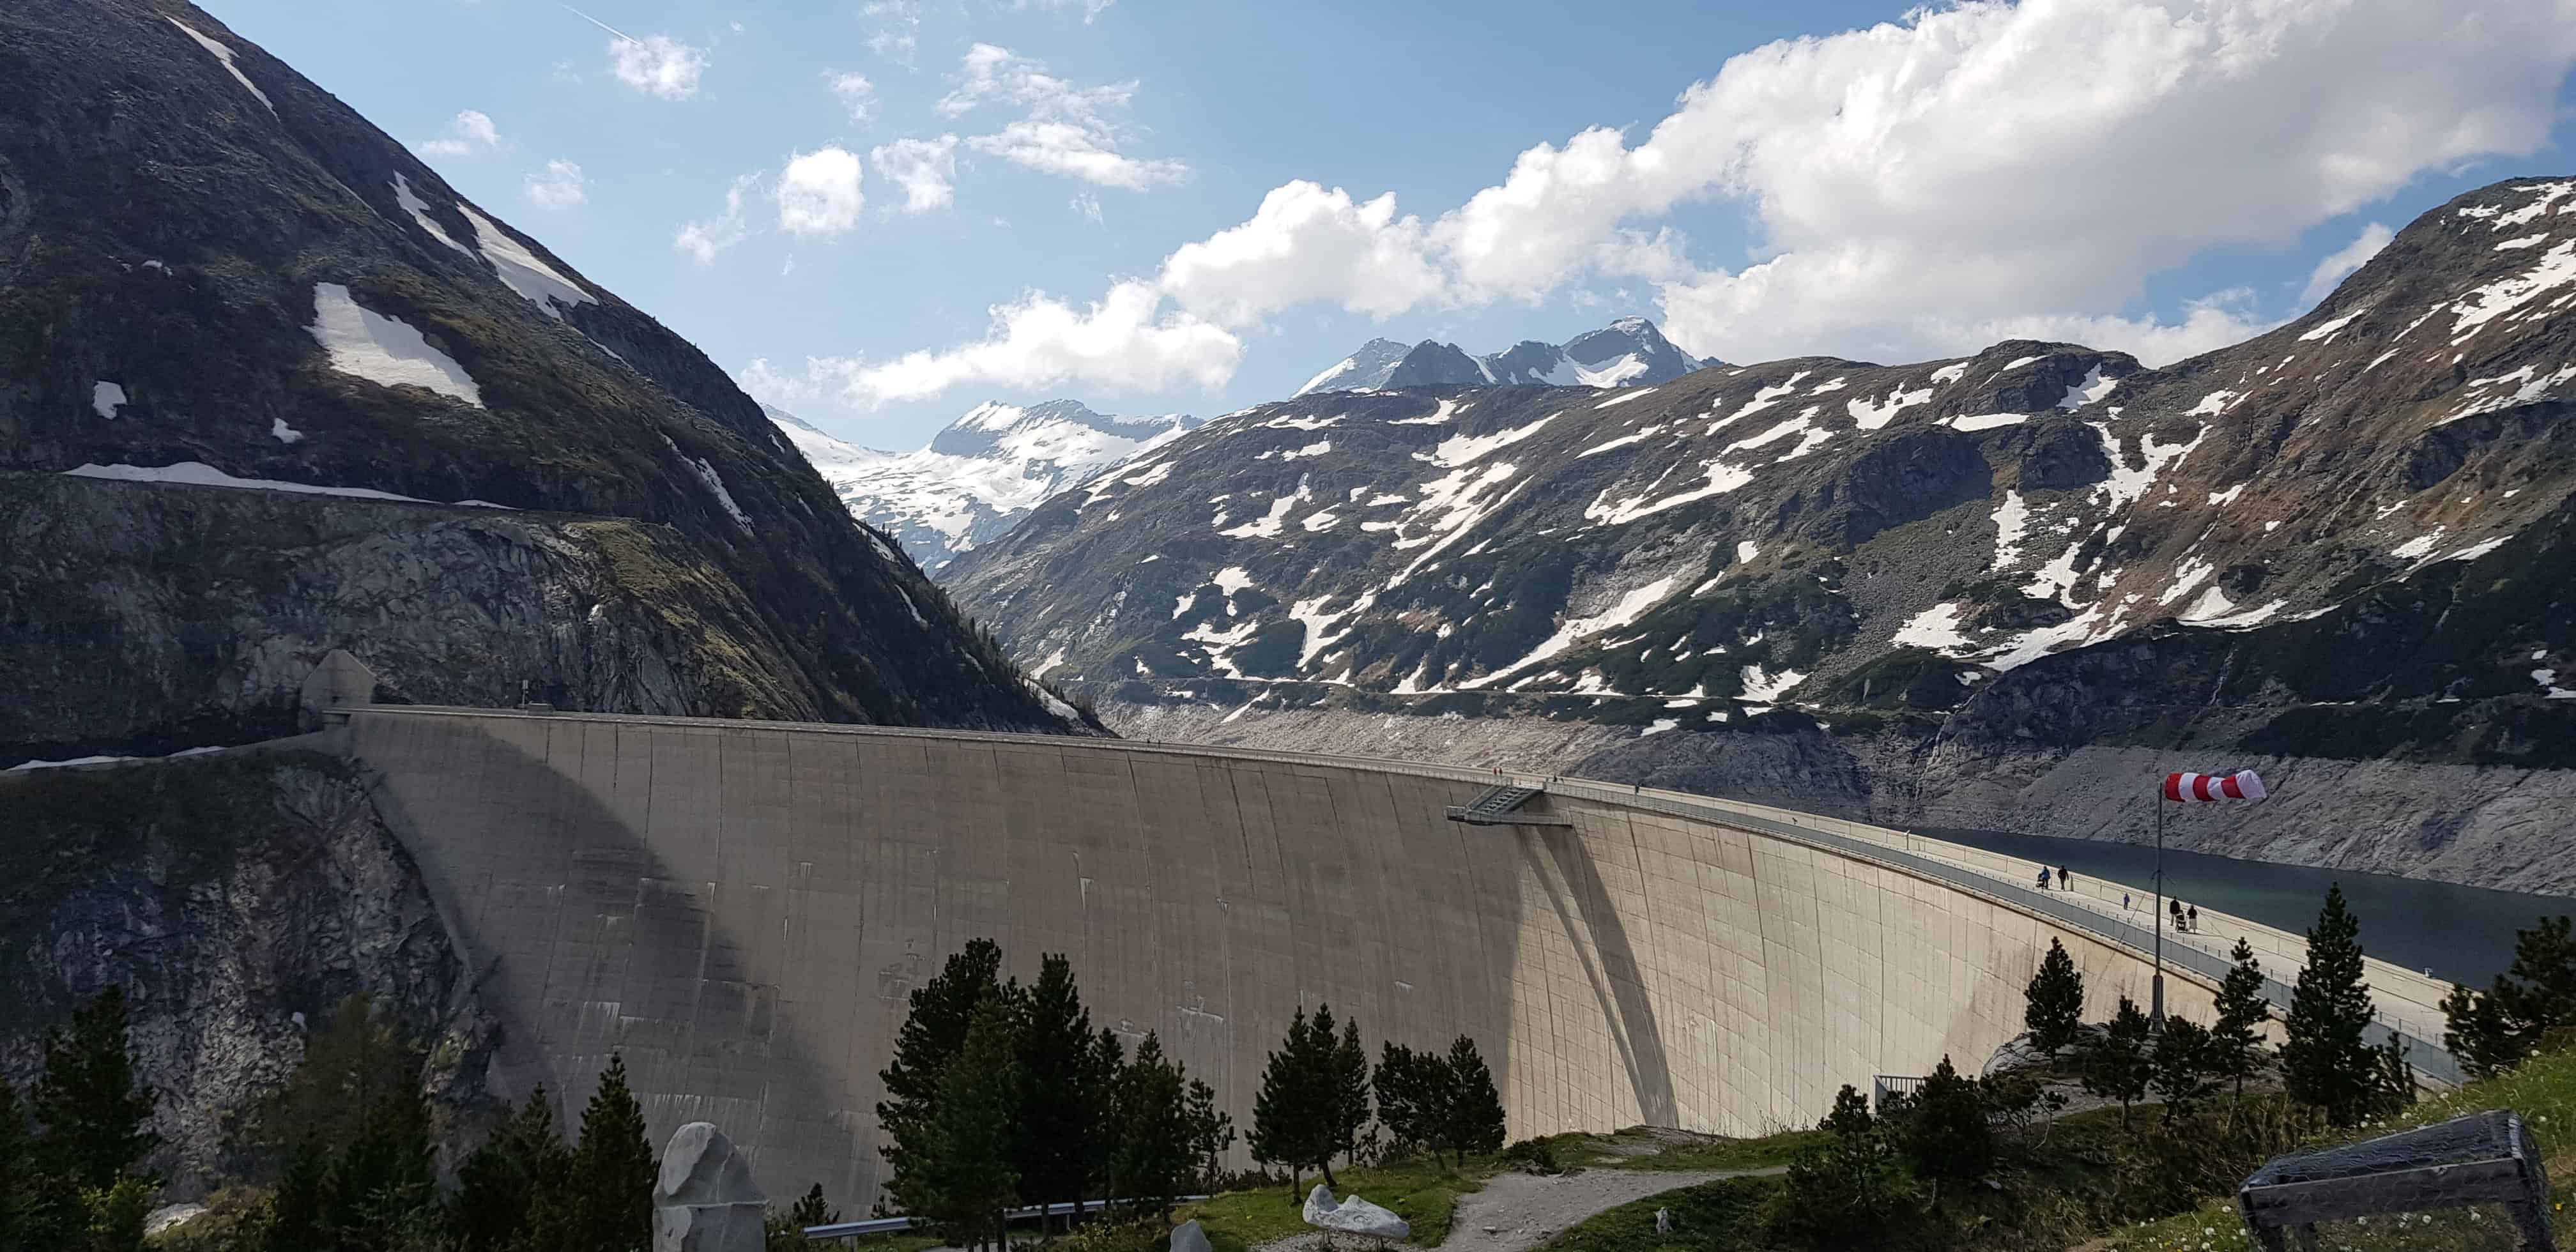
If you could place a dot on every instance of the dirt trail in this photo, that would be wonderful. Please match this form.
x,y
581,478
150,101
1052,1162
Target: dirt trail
x,y
1520,1212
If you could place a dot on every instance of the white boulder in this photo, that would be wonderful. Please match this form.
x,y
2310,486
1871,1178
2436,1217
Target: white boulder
x,y
705,1200
1352,1216
1187,1237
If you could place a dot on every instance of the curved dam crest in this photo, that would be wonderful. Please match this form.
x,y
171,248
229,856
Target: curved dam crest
x,y
741,909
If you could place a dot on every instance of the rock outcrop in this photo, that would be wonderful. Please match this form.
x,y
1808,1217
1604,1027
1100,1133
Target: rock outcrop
x,y
238,898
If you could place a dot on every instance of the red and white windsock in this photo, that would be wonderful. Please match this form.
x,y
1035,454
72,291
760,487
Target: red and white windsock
x,y
2244,784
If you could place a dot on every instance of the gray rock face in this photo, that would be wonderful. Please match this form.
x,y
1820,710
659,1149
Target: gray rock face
x,y
705,1200
238,899
1353,1216
1187,1237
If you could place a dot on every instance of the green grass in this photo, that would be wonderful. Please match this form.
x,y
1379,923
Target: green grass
x,y
1425,1195
1720,1216
1722,1154
2543,1091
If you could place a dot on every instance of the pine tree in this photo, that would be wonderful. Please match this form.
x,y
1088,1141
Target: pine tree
x,y
2054,1002
933,1032
2474,1030
1211,1132
1945,1133
500,1182
97,1118
2324,1062
1412,1098
1285,1113
295,1204
1850,1116
351,1063
2236,1042
1068,1107
2182,1066
382,1183
2394,1088
812,1210
21,1200
1343,1093
2495,1031
958,1174
608,1182
2119,1065
1108,1059
1473,1120
1155,1149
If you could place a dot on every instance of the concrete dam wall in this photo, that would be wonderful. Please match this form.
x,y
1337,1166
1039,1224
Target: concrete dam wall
x,y
740,909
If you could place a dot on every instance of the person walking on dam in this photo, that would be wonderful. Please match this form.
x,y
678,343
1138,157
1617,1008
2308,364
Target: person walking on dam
x,y
2065,881
2043,878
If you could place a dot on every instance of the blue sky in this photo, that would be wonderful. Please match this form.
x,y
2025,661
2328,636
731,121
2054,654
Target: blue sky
x,y
2158,175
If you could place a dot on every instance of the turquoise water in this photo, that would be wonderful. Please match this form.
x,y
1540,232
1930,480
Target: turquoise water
x,y
2464,934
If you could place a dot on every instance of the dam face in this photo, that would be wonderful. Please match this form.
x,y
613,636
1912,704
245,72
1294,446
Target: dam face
x,y
740,909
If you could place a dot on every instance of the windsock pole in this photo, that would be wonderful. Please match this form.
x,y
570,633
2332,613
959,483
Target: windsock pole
x,y
2157,1013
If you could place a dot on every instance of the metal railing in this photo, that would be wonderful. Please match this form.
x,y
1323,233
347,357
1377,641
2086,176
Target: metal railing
x,y
1921,856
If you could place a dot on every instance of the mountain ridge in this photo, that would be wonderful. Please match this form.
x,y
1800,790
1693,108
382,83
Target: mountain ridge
x,y
2027,557
979,474
1630,351
230,306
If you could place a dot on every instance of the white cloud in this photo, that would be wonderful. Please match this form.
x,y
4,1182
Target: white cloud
x,y
560,186
702,241
1306,244
468,134
657,65
1997,161
855,93
1915,189
1087,206
819,192
1066,130
926,169
1090,8
898,36
1124,342
1069,151
2340,264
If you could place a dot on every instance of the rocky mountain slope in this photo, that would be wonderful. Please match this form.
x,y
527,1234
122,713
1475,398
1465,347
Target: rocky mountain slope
x,y
237,898
1628,352
1989,591
979,475
269,386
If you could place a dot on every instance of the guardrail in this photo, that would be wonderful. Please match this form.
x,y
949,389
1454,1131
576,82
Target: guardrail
x,y
892,1225
1922,856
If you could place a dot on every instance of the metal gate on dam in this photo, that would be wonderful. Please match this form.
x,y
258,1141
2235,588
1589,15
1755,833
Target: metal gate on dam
x,y
740,909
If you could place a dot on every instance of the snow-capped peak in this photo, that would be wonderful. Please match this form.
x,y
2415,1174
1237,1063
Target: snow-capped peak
x,y
980,473
1629,352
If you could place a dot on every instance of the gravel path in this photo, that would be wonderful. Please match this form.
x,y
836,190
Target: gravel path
x,y
1520,1212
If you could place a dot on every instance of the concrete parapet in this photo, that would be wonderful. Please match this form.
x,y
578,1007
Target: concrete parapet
x,y
741,908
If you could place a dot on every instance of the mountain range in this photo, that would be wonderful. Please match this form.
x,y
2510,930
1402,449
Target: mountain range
x,y
1629,352
270,387
980,474
1992,590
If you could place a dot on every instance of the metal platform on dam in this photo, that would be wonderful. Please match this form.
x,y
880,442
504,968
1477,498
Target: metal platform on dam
x,y
740,909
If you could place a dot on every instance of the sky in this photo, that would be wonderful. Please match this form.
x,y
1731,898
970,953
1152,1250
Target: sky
x,y
878,213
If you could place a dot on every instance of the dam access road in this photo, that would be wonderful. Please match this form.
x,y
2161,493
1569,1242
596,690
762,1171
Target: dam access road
x,y
740,909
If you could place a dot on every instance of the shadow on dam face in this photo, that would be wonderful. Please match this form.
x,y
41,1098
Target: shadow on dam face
x,y
741,910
